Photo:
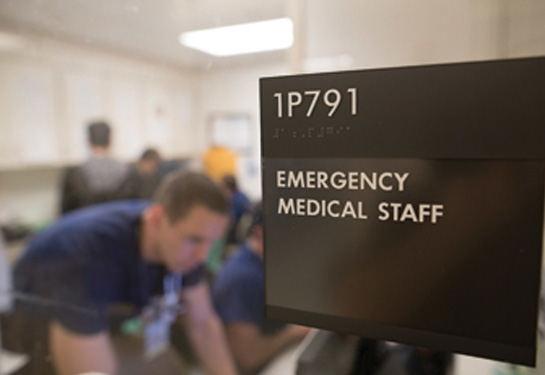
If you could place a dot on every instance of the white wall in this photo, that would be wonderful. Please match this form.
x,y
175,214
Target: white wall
x,y
146,102
524,28
395,33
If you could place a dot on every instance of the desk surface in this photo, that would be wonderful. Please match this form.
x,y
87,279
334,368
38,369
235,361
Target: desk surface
x,y
286,362
320,352
11,362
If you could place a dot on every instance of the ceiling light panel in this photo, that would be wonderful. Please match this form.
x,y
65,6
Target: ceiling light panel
x,y
240,39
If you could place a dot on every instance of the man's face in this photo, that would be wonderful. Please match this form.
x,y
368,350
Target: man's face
x,y
185,244
148,166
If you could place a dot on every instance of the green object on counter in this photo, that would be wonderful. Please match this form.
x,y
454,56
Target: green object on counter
x,y
213,263
131,327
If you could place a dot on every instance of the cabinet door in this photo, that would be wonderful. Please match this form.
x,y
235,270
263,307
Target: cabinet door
x,y
84,103
127,114
29,122
158,117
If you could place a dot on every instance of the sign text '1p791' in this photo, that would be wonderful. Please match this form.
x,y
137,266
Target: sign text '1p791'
x,y
292,102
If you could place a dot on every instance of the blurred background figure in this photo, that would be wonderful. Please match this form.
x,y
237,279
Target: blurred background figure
x,y
238,296
239,220
239,204
99,178
143,179
5,281
219,161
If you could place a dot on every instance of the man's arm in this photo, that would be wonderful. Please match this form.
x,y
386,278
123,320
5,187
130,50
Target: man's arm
x,y
74,353
252,349
205,331
73,190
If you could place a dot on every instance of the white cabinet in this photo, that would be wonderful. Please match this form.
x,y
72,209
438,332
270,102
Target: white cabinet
x,y
83,100
29,127
45,109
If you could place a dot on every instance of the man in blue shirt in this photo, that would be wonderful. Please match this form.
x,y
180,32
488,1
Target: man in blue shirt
x,y
238,294
126,252
239,204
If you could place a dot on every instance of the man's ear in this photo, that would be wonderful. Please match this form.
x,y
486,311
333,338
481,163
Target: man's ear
x,y
156,214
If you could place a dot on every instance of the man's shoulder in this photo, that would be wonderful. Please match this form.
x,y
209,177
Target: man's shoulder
x,y
121,209
111,219
241,197
110,212
241,267
95,224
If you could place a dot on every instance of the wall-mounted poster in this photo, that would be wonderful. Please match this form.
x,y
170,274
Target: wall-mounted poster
x,y
231,130
406,204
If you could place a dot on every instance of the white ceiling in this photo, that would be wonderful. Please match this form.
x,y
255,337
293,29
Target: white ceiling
x,y
145,27
335,34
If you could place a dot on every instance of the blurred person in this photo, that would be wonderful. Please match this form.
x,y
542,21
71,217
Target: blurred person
x,y
219,161
238,295
146,254
98,179
5,281
239,204
143,179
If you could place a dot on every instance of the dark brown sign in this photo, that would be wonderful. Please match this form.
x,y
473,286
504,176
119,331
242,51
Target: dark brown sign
x,y
407,204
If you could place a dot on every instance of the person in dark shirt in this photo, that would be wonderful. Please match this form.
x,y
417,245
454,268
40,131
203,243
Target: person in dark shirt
x,y
126,252
97,180
239,299
239,204
142,179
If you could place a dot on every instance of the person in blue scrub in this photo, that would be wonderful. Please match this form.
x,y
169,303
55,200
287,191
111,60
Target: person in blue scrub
x,y
238,295
239,204
130,252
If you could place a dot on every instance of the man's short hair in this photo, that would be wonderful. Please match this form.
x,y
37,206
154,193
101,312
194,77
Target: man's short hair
x,y
150,154
181,191
99,133
230,182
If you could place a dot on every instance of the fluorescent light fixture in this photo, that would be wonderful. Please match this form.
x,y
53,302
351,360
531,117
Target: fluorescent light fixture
x,y
240,39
